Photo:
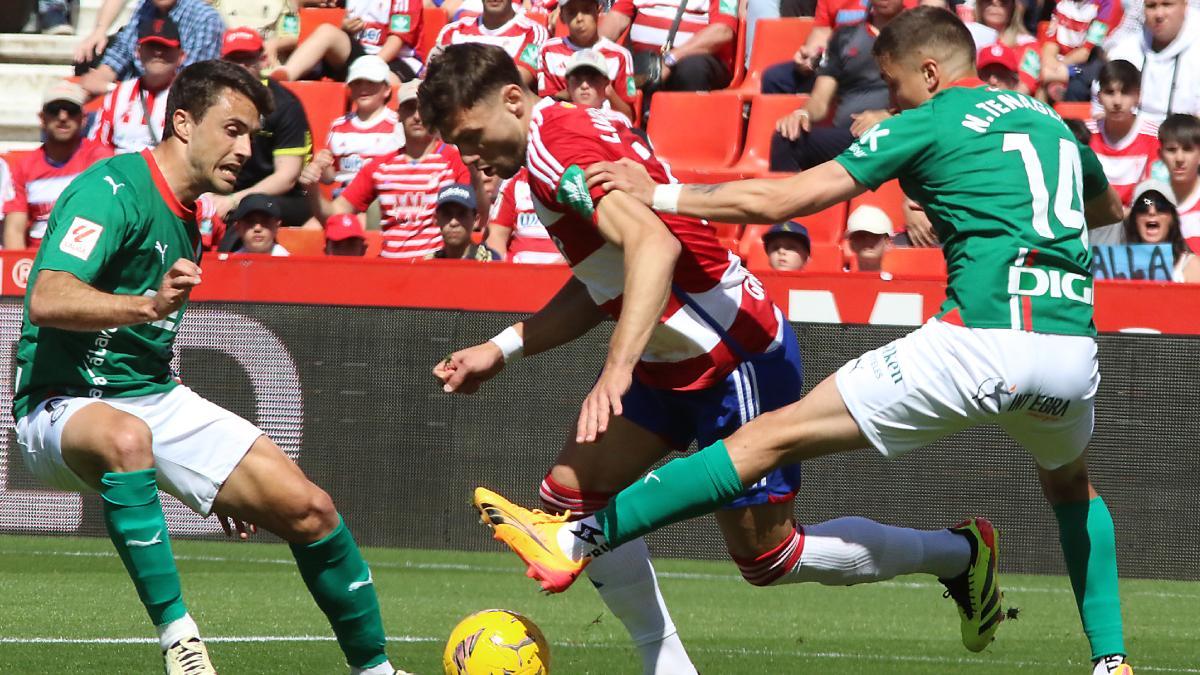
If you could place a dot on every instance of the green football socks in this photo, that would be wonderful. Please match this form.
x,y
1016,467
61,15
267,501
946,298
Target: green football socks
x,y
1090,548
134,518
680,489
341,583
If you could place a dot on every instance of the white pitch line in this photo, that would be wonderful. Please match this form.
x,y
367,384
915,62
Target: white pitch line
x,y
219,639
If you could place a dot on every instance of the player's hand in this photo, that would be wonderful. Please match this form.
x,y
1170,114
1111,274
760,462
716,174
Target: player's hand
x,y
352,24
863,121
625,175
464,371
312,172
232,525
90,47
176,285
917,225
795,124
602,403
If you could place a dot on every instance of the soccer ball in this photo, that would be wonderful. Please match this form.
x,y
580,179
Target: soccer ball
x,y
496,642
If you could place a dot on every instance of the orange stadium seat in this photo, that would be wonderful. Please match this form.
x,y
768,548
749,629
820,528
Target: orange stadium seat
x,y
775,41
694,130
888,197
432,20
323,103
374,243
765,111
726,230
311,17
915,261
824,227
1074,110
300,241
739,49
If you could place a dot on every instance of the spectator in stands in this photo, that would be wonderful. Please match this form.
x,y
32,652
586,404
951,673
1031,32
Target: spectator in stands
x,y
389,29
788,246
998,66
371,130
279,149
133,115
455,215
39,177
702,52
1071,54
200,30
405,182
54,17
582,20
999,22
514,230
344,235
848,75
6,187
1168,55
500,24
589,84
1179,137
1153,219
256,223
868,237
1126,143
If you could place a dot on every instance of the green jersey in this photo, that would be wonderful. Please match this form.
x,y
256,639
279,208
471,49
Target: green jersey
x,y
1003,181
119,228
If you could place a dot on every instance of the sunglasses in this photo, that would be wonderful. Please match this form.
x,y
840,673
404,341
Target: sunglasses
x,y
53,108
1154,199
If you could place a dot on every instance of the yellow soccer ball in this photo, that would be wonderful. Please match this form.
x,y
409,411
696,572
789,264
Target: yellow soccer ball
x,y
496,642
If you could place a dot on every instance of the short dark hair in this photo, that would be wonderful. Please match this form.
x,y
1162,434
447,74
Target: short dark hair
x,y
927,31
1181,129
462,76
1079,130
1120,72
199,86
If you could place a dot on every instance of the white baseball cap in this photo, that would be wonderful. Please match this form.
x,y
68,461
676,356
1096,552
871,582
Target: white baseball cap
x,y
370,68
867,218
408,91
587,58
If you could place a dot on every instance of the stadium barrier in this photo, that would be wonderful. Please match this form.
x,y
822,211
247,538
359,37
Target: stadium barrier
x,y
342,383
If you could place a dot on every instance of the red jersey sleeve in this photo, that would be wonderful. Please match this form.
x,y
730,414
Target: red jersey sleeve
x,y
560,148
624,7
825,14
445,34
405,21
460,172
505,214
623,84
361,191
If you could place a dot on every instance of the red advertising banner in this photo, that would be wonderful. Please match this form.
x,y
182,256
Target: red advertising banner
x,y
1121,306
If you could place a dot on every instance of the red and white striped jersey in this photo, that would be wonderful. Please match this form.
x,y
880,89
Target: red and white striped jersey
x,y
407,192
652,21
211,225
716,308
37,183
123,124
552,78
6,186
1127,160
383,18
1189,219
530,242
354,142
1077,23
521,37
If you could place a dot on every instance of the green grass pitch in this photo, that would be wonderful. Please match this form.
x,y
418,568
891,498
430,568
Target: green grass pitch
x,y
66,606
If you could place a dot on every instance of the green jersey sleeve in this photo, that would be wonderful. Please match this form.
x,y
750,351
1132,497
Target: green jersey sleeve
x,y
85,229
888,148
1095,182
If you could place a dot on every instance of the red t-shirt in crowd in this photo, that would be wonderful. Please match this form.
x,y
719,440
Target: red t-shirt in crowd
x,y
1127,160
37,183
530,242
522,38
652,21
552,78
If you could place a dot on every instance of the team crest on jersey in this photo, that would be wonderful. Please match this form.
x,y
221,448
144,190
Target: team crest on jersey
x,y
81,238
530,56
401,23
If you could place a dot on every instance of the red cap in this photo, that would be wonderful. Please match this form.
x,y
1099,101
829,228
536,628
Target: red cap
x,y
343,226
241,40
998,53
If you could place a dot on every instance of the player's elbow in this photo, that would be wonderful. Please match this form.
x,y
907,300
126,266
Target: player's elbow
x,y
41,312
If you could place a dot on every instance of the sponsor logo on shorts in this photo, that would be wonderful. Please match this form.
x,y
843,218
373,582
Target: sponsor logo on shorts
x,y
1040,405
991,393
892,363
56,407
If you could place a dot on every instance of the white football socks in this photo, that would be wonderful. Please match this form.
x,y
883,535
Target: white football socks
x,y
1108,664
180,629
855,550
384,668
627,584
582,538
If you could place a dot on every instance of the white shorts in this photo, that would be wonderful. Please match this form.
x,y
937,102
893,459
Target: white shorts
x,y
943,378
197,443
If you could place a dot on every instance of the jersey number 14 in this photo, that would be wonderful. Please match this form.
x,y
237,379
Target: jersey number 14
x,y
1069,186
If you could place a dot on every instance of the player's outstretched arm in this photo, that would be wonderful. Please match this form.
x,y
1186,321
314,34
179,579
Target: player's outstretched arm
x,y
757,200
61,300
1103,209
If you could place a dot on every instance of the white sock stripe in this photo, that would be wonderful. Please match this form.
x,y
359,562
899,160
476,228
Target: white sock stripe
x,y
753,374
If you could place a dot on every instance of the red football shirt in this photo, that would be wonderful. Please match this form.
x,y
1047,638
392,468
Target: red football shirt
x,y
552,78
37,183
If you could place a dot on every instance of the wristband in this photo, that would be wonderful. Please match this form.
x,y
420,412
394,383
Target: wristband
x,y
666,198
511,345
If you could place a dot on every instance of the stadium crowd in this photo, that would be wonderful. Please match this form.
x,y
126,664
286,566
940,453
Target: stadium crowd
x,y
346,155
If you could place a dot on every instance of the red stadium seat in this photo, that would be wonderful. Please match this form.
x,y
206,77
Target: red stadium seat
x,y
765,111
323,103
1074,110
300,241
888,197
432,20
775,41
726,230
374,243
311,17
739,49
915,261
696,129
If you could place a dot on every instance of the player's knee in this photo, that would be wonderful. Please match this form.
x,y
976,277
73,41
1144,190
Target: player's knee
x,y
128,446
1068,484
309,516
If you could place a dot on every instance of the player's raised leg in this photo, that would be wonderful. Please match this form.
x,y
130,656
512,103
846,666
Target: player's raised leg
x,y
269,489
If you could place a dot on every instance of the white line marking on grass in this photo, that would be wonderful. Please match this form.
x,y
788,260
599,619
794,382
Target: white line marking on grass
x,y
154,641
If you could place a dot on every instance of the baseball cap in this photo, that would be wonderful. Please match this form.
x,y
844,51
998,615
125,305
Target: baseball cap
x,y
587,58
158,28
867,218
256,203
791,228
368,67
457,193
1153,185
64,91
344,226
408,91
241,40
998,53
